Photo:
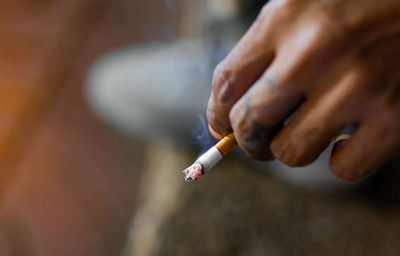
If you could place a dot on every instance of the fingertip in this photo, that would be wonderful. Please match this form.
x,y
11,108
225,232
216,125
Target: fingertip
x,y
343,172
216,123
215,134
344,167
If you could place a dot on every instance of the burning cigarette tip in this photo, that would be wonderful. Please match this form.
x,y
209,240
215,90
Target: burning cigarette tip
x,y
193,172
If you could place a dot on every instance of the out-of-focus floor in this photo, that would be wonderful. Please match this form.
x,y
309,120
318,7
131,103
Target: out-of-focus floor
x,y
67,180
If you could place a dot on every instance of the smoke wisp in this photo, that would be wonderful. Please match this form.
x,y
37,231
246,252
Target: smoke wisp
x,y
203,137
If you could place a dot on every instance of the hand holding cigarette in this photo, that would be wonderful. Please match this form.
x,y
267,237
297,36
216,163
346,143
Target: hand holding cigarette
x,y
333,63
210,158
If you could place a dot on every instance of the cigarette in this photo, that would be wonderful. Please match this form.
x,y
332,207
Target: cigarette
x,y
210,158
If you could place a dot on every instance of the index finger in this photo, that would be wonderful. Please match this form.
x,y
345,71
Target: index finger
x,y
239,70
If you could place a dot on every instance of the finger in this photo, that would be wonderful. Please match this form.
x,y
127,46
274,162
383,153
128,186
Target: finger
x,y
319,120
215,134
372,144
238,71
260,113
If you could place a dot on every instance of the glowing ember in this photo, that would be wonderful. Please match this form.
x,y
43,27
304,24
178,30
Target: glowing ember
x,y
193,172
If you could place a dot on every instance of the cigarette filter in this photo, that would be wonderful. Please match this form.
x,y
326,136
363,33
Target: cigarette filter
x,y
210,158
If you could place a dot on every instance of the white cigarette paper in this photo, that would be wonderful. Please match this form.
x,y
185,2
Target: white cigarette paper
x,y
209,159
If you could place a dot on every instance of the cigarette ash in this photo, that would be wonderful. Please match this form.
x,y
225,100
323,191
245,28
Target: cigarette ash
x,y
193,172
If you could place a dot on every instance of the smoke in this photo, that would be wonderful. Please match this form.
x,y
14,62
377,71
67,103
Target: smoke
x,y
203,137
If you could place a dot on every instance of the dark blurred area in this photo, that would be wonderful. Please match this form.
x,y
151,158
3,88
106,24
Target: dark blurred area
x,y
77,178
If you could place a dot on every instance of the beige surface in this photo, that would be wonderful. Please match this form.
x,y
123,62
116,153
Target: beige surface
x,y
238,210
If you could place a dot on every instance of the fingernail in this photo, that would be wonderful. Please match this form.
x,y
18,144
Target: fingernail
x,y
340,141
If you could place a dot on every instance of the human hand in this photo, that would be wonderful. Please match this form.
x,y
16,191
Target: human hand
x,y
332,63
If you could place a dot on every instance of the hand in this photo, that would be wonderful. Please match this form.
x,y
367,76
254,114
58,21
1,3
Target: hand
x,y
333,63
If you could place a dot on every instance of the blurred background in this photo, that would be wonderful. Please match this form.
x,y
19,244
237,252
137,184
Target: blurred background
x,y
100,106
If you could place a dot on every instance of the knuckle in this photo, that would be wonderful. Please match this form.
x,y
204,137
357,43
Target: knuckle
x,y
255,145
285,4
240,118
328,23
265,11
351,26
276,10
223,84
334,30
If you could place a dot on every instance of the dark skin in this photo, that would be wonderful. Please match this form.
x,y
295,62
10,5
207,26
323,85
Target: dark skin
x,y
333,63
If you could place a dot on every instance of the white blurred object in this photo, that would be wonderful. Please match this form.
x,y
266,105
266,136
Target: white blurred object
x,y
153,90
316,175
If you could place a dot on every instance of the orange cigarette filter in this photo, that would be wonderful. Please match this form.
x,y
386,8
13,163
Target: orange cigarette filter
x,y
210,158
227,144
